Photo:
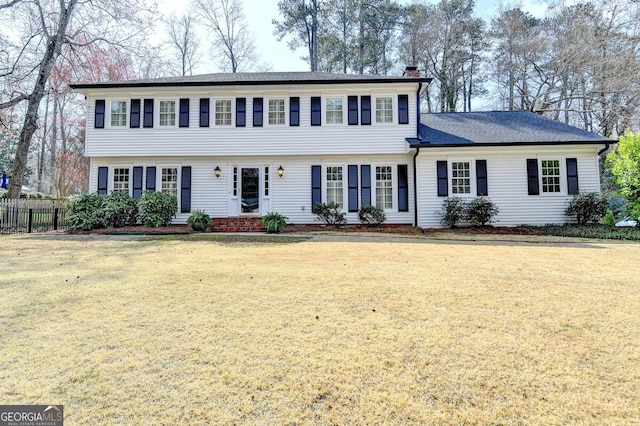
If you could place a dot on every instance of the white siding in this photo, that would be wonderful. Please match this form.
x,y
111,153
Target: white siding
x,y
507,182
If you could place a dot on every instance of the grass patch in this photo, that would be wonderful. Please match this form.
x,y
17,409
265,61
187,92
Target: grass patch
x,y
139,330
603,232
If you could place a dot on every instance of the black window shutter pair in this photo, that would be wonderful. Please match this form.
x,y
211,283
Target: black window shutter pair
x,y
482,187
533,181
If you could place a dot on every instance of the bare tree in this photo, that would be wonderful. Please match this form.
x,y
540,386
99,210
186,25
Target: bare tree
x,y
183,41
46,27
234,47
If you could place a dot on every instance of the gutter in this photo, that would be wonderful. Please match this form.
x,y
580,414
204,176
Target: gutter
x,y
603,150
415,188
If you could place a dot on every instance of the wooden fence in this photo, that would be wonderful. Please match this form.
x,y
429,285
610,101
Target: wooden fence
x,y
27,216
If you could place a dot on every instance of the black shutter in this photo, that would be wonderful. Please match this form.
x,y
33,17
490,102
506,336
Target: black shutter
x,y
134,116
137,182
103,178
99,118
353,188
184,113
294,111
148,113
241,112
532,176
151,179
443,185
403,188
572,176
316,110
365,189
403,109
352,102
185,190
204,112
365,110
316,185
481,177
257,112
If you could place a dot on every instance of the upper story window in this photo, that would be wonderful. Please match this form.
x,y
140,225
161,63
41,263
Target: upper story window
x,y
384,187
223,112
121,180
335,191
461,177
167,113
276,112
384,109
333,111
118,113
550,176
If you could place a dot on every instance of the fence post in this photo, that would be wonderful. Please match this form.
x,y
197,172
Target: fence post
x,y
30,221
55,219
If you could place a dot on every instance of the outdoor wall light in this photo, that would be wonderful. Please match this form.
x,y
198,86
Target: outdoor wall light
x,y
217,171
280,171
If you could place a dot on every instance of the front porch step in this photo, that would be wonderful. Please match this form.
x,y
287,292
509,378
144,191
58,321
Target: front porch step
x,y
238,224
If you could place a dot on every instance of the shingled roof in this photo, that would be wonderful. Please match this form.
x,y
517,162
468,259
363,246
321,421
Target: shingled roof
x,y
498,129
252,78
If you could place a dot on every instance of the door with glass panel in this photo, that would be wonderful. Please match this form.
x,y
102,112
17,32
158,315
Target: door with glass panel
x,y
250,190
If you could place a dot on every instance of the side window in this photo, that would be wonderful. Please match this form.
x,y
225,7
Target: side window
x,y
118,113
121,180
333,111
223,112
384,110
276,112
550,171
167,113
335,185
461,177
384,187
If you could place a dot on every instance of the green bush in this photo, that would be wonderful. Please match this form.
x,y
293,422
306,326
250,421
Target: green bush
x,y
609,218
371,216
85,212
589,231
157,209
119,210
481,211
453,211
199,220
274,221
588,207
329,213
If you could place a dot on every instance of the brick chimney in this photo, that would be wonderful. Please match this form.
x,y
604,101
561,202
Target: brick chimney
x,y
411,72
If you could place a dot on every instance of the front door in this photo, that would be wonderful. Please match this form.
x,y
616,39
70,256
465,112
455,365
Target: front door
x,y
250,190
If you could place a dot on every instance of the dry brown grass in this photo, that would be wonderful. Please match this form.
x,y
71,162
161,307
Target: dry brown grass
x,y
132,330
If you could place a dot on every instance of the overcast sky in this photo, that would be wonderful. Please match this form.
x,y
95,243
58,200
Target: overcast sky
x,y
259,14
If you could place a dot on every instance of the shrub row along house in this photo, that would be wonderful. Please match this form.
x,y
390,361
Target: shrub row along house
x,y
241,145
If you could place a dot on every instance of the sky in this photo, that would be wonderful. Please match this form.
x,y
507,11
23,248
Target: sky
x,y
260,13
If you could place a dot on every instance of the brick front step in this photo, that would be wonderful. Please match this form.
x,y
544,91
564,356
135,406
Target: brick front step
x,y
237,224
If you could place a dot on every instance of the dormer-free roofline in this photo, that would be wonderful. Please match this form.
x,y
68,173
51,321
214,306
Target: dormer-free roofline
x,y
252,79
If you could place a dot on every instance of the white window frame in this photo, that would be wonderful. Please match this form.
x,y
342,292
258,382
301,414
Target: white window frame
x,y
285,112
112,184
175,113
375,110
374,186
325,181
126,114
562,165
160,187
213,112
325,110
472,177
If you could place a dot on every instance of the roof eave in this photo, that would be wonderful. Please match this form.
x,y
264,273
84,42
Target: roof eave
x,y
421,144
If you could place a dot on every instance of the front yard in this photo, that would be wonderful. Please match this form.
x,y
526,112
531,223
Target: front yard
x,y
199,330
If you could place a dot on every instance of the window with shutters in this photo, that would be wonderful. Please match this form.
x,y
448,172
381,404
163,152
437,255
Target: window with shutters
x,y
118,113
223,112
461,177
335,185
551,177
384,187
121,180
169,182
167,113
276,112
334,111
384,110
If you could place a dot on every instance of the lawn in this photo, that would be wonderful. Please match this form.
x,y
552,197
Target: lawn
x,y
191,330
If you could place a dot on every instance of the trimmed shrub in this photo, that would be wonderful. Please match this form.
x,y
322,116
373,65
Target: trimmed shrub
x,y
85,212
609,218
157,209
481,211
119,210
588,207
371,216
329,213
453,211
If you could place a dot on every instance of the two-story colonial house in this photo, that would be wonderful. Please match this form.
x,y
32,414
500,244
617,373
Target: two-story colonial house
x,y
245,144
